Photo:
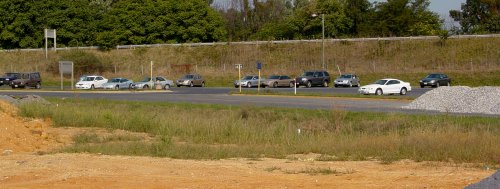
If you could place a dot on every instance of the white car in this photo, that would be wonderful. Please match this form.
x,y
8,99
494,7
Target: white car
x,y
118,83
386,86
91,82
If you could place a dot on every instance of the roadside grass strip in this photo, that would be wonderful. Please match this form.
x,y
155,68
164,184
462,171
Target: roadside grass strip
x,y
202,131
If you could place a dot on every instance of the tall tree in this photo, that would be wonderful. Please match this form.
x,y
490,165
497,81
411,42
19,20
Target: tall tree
x,y
478,16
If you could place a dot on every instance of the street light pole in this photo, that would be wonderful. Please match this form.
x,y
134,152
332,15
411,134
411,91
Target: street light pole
x,y
323,40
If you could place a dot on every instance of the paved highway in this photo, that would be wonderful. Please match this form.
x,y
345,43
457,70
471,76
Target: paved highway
x,y
220,96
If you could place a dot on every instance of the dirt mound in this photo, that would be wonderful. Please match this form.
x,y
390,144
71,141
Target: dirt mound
x,y
26,135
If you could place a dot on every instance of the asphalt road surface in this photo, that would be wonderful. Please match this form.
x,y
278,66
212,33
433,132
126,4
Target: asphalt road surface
x,y
220,96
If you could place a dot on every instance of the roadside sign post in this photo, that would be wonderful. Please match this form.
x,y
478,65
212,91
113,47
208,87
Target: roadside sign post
x,y
239,66
259,67
49,33
66,67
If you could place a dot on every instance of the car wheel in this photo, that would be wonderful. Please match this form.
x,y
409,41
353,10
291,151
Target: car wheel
x,y
325,83
13,87
249,85
403,91
422,86
292,85
145,87
336,86
275,84
379,92
191,84
236,86
167,86
308,84
117,87
38,86
92,87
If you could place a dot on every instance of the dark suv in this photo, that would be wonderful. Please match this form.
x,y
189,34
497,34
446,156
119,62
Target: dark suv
x,y
314,78
8,78
32,79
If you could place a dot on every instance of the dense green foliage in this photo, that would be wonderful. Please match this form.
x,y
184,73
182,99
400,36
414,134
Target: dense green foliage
x,y
478,16
107,23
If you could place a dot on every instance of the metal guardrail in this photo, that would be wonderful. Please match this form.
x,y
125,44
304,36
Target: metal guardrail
x,y
263,42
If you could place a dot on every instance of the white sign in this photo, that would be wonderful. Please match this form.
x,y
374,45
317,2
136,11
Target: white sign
x,y
239,66
50,33
66,67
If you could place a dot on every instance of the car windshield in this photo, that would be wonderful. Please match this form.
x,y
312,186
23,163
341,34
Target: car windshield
x,y
381,82
274,77
188,77
89,79
309,74
12,74
247,78
346,76
433,76
146,79
115,80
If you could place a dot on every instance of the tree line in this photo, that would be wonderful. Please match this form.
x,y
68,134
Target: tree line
x,y
107,23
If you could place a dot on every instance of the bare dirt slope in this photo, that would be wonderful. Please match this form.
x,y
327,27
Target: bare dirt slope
x,y
21,167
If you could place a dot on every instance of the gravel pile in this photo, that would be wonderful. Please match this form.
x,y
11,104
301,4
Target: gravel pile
x,y
22,99
492,182
460,99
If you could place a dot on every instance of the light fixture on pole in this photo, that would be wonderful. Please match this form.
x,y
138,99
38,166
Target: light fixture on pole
x,y
322,39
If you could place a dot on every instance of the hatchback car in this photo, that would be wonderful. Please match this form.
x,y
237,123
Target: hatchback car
x,y
348,80
91,82
32,79
435,80
386,86
249,81
279,81
118,83
314,78
191,80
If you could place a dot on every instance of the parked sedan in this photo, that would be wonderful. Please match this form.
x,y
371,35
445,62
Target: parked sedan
x,y
148,83
348,80
91,82
191,80
279,81
386,86
249,81
435,80
118,83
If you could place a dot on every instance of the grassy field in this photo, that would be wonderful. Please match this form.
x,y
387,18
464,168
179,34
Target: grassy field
x,y
471,62
194,131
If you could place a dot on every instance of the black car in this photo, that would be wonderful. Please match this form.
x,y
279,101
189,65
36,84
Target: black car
x,y
314,78
435,80
32,79
8,78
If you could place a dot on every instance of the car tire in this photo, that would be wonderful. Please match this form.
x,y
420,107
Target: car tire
x,y
92,87
403,91
325,83
292,85
145,87
379,92
308,84
13,87
167,87
38,86
422,86
117,87
249,85
275,85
